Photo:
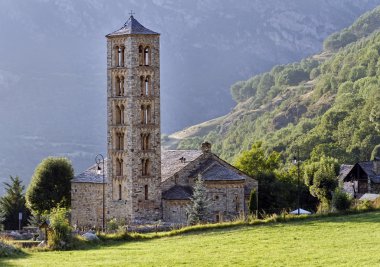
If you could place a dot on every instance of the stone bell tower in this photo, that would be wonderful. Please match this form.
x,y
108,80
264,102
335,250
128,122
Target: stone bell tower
x,y
133,124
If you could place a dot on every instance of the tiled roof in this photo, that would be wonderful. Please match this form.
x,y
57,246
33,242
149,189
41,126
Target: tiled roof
x,y
171,161
218,172
90,175
344,170
178,192
132,26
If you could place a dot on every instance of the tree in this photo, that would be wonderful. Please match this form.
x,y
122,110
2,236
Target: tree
x,y
254,161
375,152
321,178
50,185
12,203
197,211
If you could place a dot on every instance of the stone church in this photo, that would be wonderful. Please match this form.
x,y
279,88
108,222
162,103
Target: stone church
x,y
142,184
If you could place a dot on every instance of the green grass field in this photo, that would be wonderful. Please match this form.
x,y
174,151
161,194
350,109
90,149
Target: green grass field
x,y
352,240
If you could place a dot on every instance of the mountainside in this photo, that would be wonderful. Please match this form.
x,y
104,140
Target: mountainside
x,y
327,104
53,64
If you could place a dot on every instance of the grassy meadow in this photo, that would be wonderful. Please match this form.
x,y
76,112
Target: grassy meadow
x,y
351,240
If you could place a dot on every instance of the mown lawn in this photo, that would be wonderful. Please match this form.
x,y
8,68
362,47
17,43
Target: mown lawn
x,y
352,240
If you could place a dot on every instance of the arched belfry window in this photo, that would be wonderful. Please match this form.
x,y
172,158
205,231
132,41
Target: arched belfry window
x,y
141,55
119,167
121,86
117,85
120,191
145,139
121,56
142,85
116,53
118,114
147,56
147,86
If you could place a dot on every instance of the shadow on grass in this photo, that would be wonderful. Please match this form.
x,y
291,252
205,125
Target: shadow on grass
x,y
4,261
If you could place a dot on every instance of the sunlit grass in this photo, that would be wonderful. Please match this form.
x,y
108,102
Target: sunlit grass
x,y
351,240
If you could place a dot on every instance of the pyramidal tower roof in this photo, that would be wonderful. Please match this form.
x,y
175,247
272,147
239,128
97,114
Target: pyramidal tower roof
x,y
132,26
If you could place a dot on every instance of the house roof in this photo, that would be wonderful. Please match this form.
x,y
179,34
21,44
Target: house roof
x,y
178,192
344,171
366,166
171,162
90,175
132,26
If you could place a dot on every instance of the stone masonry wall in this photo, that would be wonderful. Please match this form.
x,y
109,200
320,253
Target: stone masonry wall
x,y
134,206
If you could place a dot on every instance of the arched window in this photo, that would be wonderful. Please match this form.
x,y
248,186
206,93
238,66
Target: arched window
x,y
119,191
117,141
142,85
119,167
148,114
147,167
117,115
141,56
146,192
121,86
117,86
121,56
120,141
142,114
147,56
121,114
146,141
116,53
147,86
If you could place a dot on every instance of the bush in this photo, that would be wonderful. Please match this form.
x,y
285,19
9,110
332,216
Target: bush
x,y
341,201
364,205
7,249
59,236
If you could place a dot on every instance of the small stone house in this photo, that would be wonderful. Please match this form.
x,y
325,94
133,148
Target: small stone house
x,y
361,178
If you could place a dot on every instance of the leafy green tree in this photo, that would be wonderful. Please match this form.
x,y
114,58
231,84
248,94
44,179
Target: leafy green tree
x,y
50,185
375,152
321,178
12,203
341,201
254,161
197,211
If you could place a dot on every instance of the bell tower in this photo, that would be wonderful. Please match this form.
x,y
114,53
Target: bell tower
x,y
133,124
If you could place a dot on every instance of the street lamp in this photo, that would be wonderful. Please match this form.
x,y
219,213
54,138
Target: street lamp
x,y
296,161
99,159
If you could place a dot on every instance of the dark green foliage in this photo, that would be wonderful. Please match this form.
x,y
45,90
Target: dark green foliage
x,y
50,185
321,176
12,203
364,26
252,206
375,152
341,201
197,211
59,236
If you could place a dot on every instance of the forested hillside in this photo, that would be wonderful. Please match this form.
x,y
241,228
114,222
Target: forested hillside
x,y
328,104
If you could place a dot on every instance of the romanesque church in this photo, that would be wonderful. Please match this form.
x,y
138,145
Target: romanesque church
x,y
142,183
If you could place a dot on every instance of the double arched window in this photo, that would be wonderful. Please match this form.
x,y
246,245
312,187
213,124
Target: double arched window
x,y
146,114
119,114
119,166
146,86
145,55
145,141
119,141
119,85
145,167
119,55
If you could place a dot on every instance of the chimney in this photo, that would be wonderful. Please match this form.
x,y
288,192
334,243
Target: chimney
x,y
206,147
376,165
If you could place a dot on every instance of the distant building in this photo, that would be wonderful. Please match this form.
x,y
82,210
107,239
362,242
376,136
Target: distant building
x,y
361,178
142,184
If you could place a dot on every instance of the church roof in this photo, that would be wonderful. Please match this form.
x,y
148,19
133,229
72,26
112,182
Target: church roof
x,y
171,162
218,172
132,26
90,175
178,192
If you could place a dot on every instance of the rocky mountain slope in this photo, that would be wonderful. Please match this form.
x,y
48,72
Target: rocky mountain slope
x,y
327,104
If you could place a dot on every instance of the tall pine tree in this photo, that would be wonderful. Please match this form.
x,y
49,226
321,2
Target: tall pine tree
x,y
12,203
197,211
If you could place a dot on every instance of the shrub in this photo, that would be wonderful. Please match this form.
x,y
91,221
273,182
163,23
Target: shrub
x,y
113,224
7,249
59,236
341,201
364,205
